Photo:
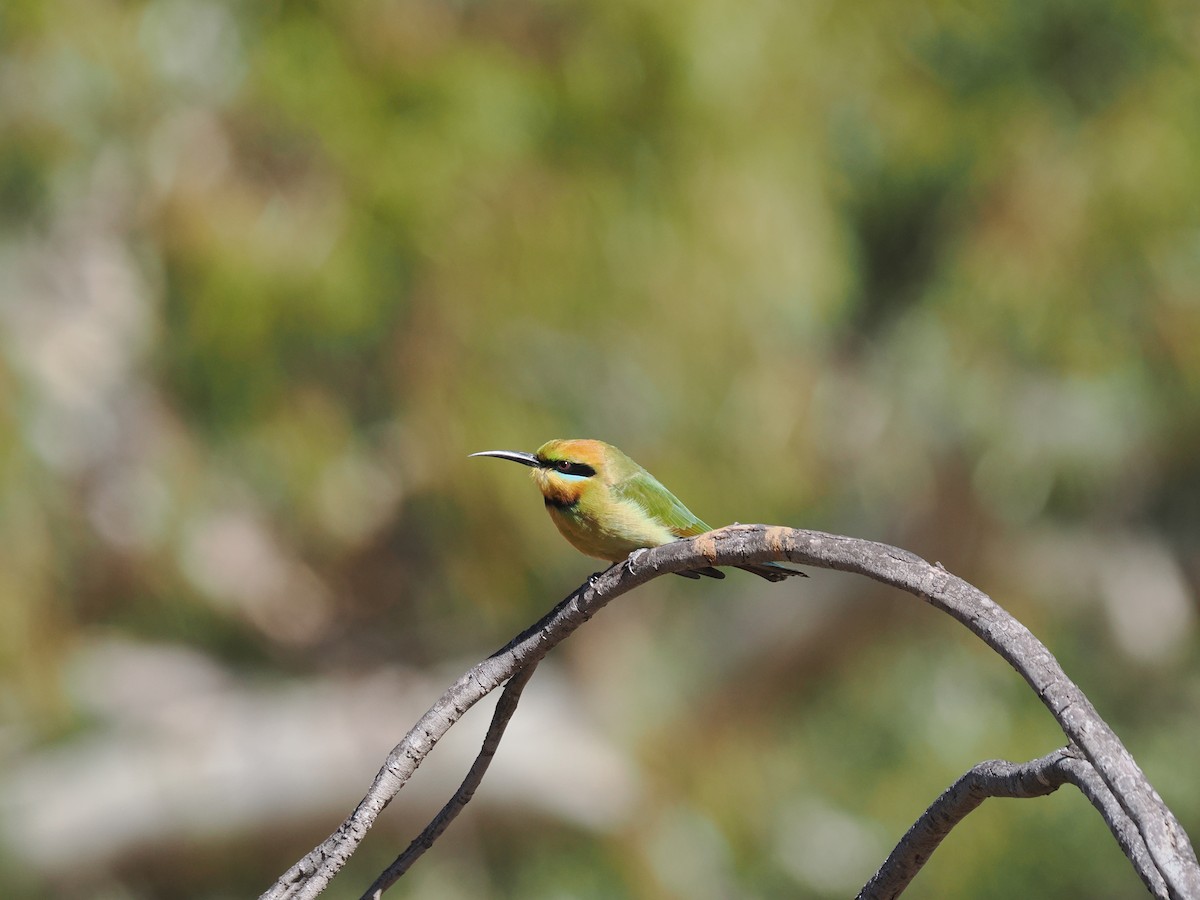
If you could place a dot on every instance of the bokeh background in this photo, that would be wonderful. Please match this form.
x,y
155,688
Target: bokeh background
x,y
923,272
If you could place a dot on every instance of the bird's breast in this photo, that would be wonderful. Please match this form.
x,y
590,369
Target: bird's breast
x,y
605,528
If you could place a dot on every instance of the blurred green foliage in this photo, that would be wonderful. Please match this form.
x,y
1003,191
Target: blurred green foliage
x,y
924,272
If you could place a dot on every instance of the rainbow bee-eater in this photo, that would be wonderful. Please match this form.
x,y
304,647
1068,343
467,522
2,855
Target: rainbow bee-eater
x,y
608,506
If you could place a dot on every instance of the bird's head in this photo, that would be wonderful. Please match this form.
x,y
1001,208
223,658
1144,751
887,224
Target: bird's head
x,y
564,470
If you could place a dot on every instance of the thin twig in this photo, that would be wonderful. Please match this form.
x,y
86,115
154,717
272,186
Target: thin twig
x,y
505,707
308,877
1084,776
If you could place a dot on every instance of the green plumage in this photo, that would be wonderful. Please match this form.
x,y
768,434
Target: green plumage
x,y
650,495
608,506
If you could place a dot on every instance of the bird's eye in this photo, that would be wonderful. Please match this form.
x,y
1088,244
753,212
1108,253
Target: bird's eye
x,y
563,465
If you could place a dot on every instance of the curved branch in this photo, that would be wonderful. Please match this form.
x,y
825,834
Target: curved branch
x,y
997,778
1167,843
1164,837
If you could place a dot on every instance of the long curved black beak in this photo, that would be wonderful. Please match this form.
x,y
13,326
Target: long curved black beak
x,y
525,459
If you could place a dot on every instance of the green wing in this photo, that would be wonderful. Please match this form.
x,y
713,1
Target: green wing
x,y
648,492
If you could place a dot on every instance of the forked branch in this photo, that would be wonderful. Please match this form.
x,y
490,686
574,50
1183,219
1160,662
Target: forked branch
x,y
491,741
1147,830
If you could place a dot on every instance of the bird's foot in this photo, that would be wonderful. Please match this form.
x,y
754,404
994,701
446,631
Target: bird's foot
x,y
595,576
633,558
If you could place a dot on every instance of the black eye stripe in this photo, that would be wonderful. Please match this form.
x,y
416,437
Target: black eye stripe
x,y
570,468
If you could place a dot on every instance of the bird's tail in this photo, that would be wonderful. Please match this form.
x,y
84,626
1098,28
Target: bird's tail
x,y
707,571
772,571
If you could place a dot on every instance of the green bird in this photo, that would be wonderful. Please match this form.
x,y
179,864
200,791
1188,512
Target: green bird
x,y
608,506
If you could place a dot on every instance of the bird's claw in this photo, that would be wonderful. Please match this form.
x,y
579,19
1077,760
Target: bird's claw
x,y
595,576
633,558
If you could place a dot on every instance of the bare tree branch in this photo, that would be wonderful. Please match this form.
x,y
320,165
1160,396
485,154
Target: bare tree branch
x,y
997,778
505,708
310,875
1169,851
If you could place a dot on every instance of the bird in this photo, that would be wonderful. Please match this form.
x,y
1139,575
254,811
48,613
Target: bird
x,y
607,506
